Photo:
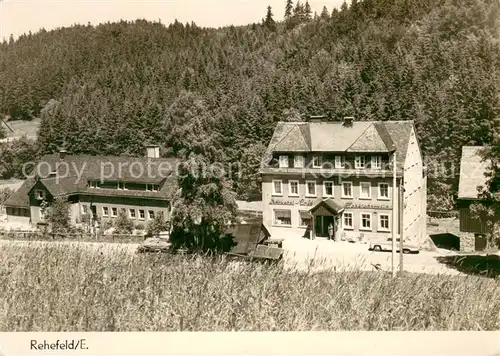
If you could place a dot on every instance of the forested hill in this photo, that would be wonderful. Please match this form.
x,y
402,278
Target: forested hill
x,y
110,88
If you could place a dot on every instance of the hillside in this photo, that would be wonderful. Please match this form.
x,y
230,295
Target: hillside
x,y
221,91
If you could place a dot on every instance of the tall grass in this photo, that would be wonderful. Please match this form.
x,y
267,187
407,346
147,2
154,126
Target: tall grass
x,y
68,288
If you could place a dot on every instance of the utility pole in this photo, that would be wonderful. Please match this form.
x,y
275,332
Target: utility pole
x,y
401,226
394,219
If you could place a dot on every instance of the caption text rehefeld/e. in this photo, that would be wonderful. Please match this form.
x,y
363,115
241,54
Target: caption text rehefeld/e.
x,y
42,345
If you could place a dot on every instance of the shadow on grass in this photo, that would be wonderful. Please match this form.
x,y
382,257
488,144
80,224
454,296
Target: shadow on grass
x,y
485,266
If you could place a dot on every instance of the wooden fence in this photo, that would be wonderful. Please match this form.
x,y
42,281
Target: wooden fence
x,y
49,236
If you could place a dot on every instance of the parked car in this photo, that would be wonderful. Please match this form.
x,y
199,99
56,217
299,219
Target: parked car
x,y
386,245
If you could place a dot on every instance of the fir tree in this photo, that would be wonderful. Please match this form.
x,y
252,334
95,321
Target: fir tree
x,y
288,9
325,15
307,11
269,22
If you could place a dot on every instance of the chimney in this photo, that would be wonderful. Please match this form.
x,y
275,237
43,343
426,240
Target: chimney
x,y
152,151
62,153
348,120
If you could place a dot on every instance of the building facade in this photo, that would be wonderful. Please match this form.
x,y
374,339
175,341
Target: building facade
x,y
472,175
97,188
316,174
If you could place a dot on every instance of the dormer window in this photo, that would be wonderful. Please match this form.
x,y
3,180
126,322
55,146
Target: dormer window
x,y
376,162
298,161
317,162
40,194
152,187
283,161
339,162
94,184
360,162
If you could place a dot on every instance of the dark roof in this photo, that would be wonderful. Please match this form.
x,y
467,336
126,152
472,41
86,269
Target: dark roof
x,y
20,198
334,136
329,204
71,175
248,236
472,172
112,168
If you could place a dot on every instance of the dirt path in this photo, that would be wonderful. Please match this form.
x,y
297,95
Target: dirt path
x,y
298,255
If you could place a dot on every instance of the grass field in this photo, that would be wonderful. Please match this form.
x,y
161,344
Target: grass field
x,y
22,128
75,288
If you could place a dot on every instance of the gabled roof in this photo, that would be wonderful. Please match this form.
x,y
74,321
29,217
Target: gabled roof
x,y
472,170
71,175
113,168
332,136
329,204
335,136
62,186
369,141
20,198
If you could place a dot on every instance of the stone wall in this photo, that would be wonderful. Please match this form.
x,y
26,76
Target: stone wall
x,y
467,241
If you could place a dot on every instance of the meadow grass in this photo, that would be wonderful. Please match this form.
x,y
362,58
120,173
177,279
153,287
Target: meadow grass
x,y
74,288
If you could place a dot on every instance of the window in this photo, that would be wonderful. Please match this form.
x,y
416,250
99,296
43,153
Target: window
x,y
152,187
383,222
294,188
283,217
142,215
383,191
283,161
40,194
114,212
131,213
359,162
105,211
366,221
346,190
151,214
376,162
339,162
348,221
310,188
304,218
365,190
277,187
328,189
121,186
298,161
94,184
317,162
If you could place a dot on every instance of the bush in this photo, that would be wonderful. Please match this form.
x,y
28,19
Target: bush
x,y
123,224
156,226
106,224
139,227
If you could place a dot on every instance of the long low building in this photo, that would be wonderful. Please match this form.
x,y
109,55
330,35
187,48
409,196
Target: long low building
x,y
97,186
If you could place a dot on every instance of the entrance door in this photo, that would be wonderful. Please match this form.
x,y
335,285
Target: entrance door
x,y
318,225
321,224
93,210
327,220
